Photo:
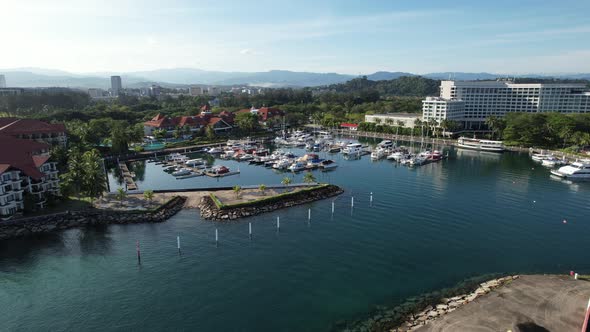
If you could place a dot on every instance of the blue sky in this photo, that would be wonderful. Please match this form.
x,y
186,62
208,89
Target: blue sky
x,y
323,36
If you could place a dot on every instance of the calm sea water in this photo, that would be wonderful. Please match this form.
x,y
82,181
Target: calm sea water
x,y
427,228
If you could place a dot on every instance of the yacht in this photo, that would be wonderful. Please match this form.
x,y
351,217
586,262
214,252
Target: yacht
x,y
481,144
194,162
182,171
297,166
539,157
397,156
353,148
378,153
553,161
576,170
177,158
281,164
334,149
314,163
328,164
214,151
385,144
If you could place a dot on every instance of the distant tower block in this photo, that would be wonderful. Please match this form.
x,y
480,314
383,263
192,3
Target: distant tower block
x,y
2,81
116,85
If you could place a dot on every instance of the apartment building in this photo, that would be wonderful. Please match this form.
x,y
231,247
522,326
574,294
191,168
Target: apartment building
x,y
25,169
52,134
472,102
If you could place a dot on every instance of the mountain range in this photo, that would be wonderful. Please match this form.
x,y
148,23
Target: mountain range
x,y
183,77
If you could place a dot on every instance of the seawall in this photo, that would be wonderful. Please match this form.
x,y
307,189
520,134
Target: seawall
x,y
61,221
209,210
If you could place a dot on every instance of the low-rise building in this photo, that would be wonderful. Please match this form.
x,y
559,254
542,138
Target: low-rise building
x,y
394,119
349,126
221,123
264,113
439,109
25,169
52,134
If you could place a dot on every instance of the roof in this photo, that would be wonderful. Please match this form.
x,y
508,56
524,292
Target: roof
x,y
159,121
22,154
264,113
16,126
4,167
349,125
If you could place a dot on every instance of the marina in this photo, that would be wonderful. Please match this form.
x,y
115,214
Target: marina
x,y
395,232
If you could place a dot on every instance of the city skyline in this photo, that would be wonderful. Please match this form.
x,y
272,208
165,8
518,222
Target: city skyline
x,y
341,37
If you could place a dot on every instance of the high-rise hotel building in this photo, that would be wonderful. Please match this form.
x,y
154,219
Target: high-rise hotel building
x,y
472,102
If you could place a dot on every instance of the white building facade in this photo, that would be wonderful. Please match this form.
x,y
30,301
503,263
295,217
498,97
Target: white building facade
x,y
472,102
394,119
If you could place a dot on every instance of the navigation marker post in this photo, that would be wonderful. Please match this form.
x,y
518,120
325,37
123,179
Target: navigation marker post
x,y
216,237
178,243
138,252
278,224
250,230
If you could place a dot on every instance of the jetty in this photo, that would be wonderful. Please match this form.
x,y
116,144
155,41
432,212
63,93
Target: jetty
x,y
127,176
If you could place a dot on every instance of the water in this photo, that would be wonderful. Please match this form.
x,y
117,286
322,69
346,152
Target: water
x,y
427,228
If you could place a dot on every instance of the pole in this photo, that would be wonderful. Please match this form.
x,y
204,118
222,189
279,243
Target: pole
x,y
308,214
332,207
178,243
371,197
352,201
216,237
278,223
138,253
250,229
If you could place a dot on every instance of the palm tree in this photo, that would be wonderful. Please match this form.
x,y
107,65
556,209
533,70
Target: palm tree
x,y
120,195
378,121
93,182
492,123
309,178
389,121
262,189
286,181
148,195
237,189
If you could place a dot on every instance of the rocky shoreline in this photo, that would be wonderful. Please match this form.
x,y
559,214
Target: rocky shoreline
x,y
209,210
419,311
61,221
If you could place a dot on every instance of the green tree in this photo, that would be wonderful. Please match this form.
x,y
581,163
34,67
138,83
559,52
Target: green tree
x,y
247,122
148,195
71,182
94,180
286,181
309,178
237,190
262,189
120,195
210,132
119,139
159,133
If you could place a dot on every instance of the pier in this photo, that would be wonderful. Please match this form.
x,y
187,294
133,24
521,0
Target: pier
x,y
127,176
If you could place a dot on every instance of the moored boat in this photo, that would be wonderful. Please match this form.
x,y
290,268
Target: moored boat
x,y
579,170
481,144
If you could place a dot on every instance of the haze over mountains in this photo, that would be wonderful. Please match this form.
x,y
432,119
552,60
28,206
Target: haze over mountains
x,y
179,77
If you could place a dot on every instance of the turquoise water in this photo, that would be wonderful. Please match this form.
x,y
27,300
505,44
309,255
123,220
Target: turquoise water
x,y
427,228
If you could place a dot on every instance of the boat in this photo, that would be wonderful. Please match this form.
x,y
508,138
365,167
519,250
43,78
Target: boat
x,y
353,148
418,160
328,164
552,162
385,144
578,170
378,153
434,155
397,156
539,157
170,169
334,149
281,164
308,146
314,163
218,170
297,166
481,144
214,151
177,158
194,162
246,157
182,171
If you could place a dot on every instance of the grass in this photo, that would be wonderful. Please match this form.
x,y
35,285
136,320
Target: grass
x,y
265,200
585,277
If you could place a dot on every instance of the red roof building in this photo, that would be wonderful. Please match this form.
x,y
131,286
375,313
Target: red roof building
x,y
264,113
349,126
34,130
25,168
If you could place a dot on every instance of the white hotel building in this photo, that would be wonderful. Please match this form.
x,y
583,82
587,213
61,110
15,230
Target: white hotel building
x,y
472,102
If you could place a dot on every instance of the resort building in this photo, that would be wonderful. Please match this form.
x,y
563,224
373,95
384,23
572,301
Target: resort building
x,y
472,102
52,134
220,123
25,169
394,119
264,113
349,126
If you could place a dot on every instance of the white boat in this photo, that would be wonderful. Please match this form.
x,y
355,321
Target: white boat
x,y
314,163
378,153
309,146
215,150
281,164
539,157
297,166
578,170
552,162
334,149
353,148
397,156
328,164
194,162
177,158
481,144
182,171
246,157
418,160
385,144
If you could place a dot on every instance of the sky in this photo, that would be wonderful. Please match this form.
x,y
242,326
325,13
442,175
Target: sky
x,y
351,37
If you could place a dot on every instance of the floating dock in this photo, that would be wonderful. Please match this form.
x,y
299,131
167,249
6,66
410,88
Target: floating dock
x,y
127,176
214,175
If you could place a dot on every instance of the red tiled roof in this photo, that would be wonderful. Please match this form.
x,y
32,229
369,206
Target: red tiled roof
x,y
266,113
4,167
349,125
160,121
15,126
22,154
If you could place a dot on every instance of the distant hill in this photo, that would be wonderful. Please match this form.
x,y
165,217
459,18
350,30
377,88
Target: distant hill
x,y
183,77
414,86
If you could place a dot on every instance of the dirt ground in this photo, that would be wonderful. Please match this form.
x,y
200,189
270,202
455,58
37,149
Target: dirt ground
x,y
137,201
530,303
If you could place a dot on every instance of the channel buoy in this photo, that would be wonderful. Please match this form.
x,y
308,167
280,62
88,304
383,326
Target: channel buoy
x,y
564,221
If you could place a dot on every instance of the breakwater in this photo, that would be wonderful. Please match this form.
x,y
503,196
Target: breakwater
x,y
212,211
61,221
